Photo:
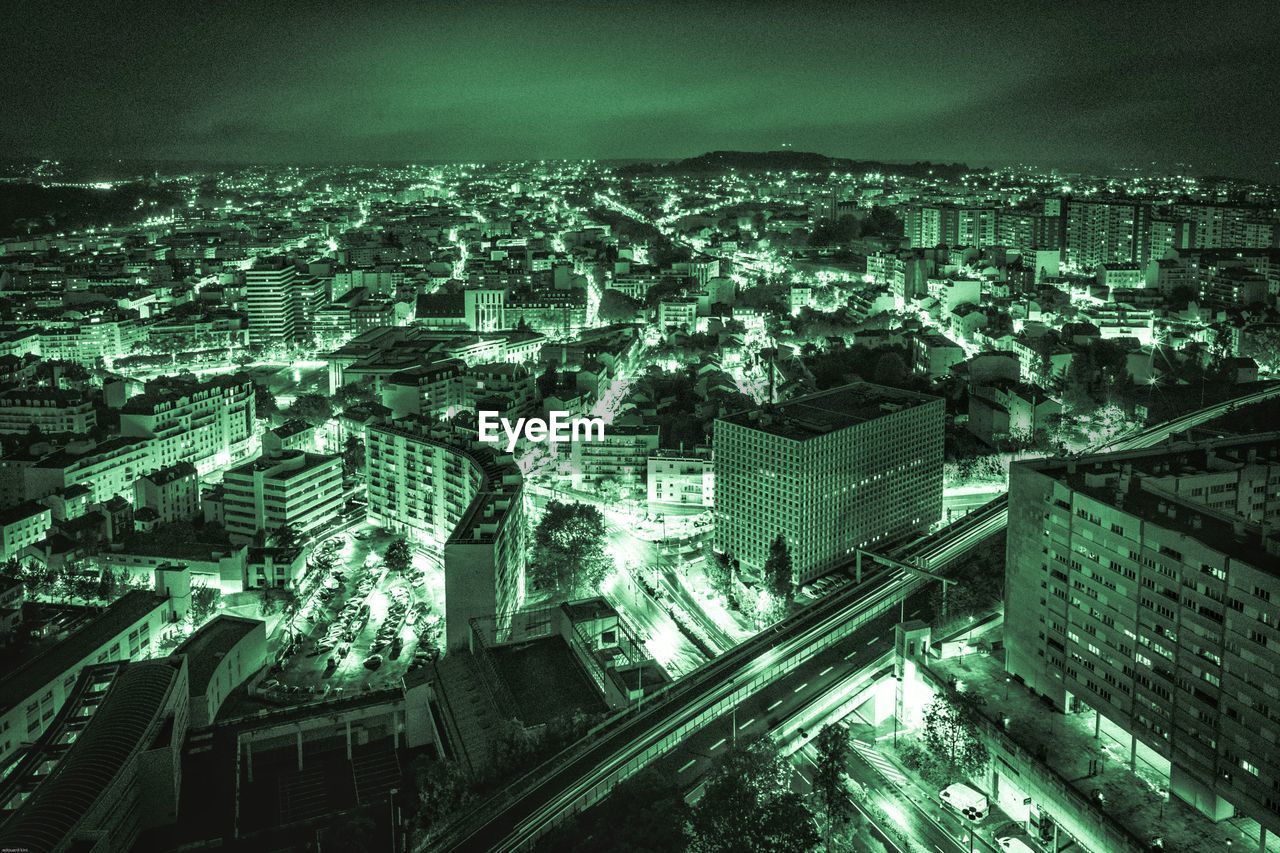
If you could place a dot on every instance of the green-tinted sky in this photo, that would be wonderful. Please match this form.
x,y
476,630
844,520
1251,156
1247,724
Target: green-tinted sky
x,y
1108,83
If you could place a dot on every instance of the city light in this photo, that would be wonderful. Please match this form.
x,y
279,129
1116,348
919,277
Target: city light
x,y
454,428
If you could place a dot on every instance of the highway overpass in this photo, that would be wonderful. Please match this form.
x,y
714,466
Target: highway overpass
x,y
585,773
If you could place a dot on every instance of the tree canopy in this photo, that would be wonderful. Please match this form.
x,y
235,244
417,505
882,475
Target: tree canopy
x,y
779,574
617,307
315,409
569,549
748,806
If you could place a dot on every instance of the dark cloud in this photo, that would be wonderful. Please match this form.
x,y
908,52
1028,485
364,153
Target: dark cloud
x,y
1081,83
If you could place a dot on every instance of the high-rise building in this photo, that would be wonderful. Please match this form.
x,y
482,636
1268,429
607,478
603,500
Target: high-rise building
x,y
930,225
1214,226
1103,231
1144,586
832,472
271,304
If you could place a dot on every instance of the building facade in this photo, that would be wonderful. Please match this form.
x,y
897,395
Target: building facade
x,y
1143,586
832,472
442,489
293,488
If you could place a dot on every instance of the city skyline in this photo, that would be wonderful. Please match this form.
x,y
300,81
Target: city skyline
x,y
668,426
1002,84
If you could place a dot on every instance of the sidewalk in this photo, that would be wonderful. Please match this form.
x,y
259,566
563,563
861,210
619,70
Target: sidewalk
x,y
904,796
1137,799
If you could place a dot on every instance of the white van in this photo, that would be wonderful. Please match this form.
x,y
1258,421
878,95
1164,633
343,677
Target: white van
x,y
965,800
1015,845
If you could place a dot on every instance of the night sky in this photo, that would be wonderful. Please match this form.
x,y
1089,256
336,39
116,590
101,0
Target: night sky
x,y
1069,84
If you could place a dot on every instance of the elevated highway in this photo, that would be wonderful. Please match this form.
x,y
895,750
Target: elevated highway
x,y
584,773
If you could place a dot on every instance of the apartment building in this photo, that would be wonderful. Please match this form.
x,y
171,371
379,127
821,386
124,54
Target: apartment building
x,y
1144,586
440,487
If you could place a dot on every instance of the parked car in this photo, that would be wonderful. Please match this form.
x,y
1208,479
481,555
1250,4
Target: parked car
x,y
1013,844
373,661
965,800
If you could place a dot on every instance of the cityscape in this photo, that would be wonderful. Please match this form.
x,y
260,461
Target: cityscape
x,y
422,431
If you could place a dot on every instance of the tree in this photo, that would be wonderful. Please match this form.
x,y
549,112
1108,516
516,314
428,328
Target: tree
x,y
399,555
719,568
548,382
204,602
315,409
950,732
832,744
264,402
352,456
568,550
354,394
617,307
645,814
890,370
748,806
883,221
354,832
286,536
443,790
779,575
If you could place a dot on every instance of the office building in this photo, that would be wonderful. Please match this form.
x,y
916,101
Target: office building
x,y
271,299
1143,586
835,471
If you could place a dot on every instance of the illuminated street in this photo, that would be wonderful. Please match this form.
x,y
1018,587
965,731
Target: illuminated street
x,y
577,428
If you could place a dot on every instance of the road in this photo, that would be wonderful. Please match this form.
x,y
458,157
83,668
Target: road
x,y
518,814
585,771
645,617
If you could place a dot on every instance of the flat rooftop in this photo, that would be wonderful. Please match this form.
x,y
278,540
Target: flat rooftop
x,y
828,411
206,648
1102,477
21,678
546,680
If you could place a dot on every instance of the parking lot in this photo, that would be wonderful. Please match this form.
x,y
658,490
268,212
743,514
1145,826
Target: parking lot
x,y
361,626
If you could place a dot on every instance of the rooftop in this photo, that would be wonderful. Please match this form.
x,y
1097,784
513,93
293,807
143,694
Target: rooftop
x,y
19,679
1129,481
176,471
206,648
818,414
135,703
